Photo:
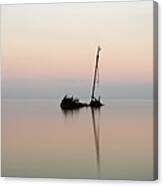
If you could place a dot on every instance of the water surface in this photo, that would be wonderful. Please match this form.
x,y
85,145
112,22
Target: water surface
x,y
40,140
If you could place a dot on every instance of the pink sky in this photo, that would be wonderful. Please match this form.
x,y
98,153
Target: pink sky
x,y
59,40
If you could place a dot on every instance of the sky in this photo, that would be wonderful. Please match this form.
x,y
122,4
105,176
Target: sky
x,y
48,50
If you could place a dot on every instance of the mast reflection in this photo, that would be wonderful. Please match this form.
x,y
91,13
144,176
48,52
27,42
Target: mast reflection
x,y
96,130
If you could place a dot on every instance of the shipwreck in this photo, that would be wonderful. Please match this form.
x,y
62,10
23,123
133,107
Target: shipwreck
x,y
69,102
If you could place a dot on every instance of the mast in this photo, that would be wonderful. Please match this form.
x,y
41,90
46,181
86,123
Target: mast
x,y
95,72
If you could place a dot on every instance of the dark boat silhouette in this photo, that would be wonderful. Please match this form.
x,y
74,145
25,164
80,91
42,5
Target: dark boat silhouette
x,y
71,103
95,103
74,103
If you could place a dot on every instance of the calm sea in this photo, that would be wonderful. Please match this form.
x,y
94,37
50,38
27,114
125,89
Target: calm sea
x,y
40,140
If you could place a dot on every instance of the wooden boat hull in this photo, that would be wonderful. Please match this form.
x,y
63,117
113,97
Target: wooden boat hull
x,y
95,103
70,104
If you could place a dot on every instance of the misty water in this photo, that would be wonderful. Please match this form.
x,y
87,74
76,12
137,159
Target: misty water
x,y
41,140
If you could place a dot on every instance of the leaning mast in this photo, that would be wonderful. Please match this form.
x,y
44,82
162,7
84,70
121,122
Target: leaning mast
x,y
95,73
